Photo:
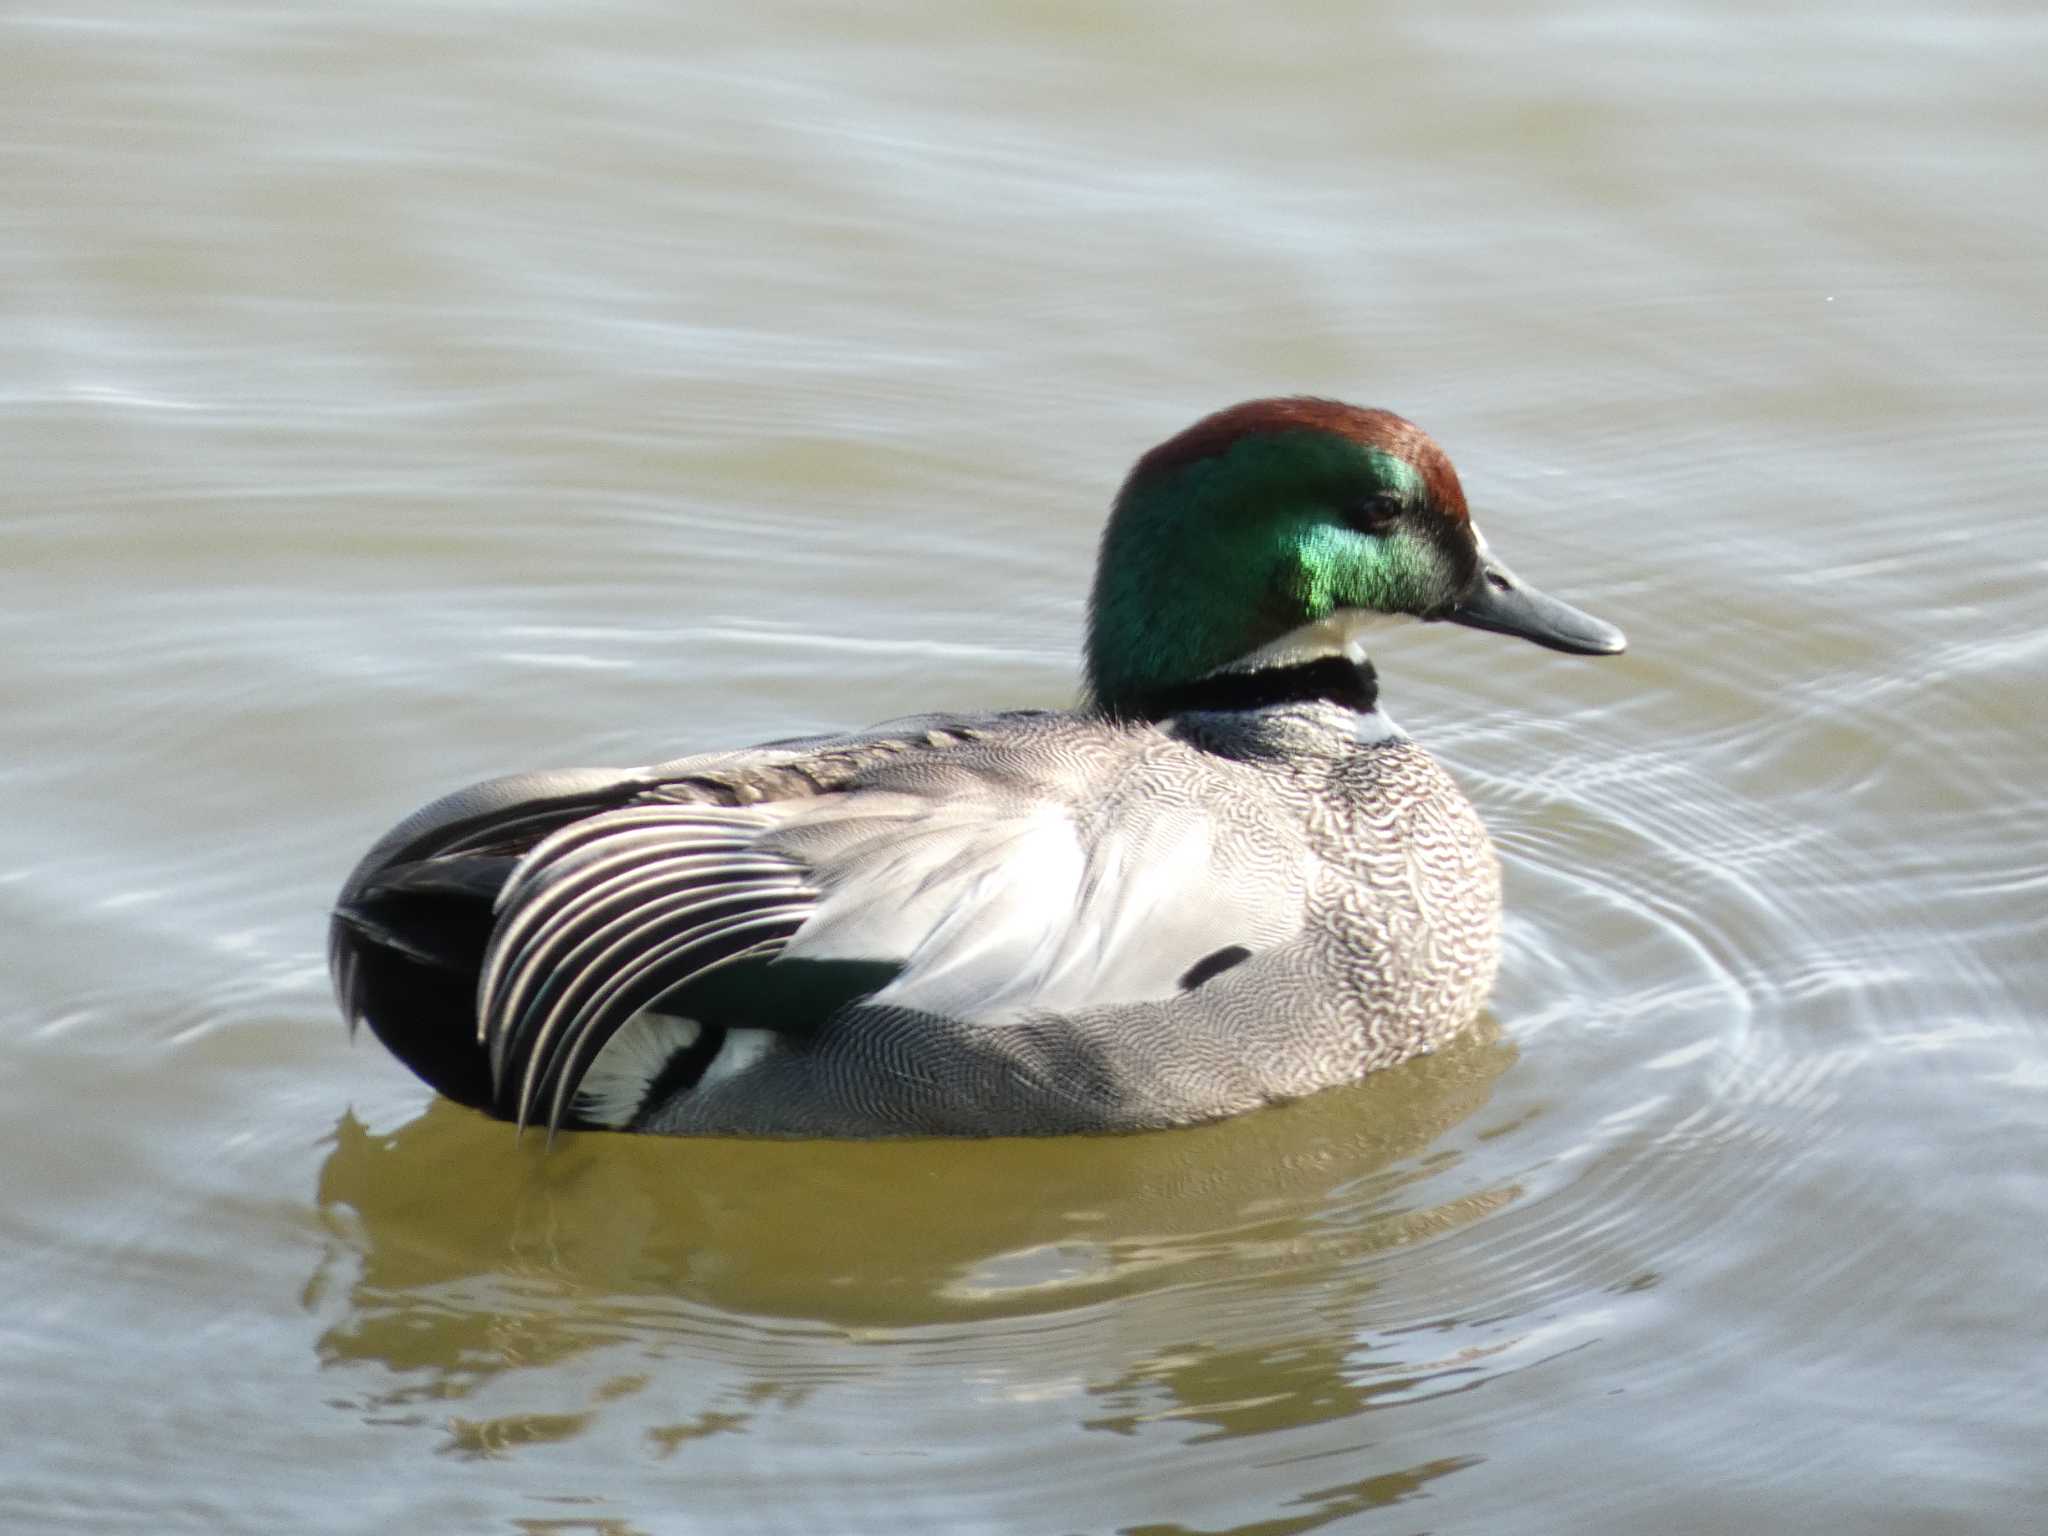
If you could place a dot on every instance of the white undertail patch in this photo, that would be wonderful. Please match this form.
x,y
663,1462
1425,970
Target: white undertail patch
x,y
742,1048
612,1090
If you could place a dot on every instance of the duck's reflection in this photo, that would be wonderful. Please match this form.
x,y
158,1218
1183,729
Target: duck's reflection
x,y
458,1254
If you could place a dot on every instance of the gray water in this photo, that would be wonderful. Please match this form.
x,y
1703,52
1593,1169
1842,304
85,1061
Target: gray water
x,y
394,395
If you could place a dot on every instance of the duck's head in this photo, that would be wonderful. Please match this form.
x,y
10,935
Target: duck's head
x,y
1270,535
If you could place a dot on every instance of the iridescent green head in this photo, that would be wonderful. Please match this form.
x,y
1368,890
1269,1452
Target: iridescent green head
x,y
1268,534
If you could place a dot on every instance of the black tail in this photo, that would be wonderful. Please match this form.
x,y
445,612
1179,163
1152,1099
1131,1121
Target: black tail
x,y
407,939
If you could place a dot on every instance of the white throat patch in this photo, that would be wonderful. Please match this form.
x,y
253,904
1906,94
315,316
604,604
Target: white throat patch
x,y
1374,727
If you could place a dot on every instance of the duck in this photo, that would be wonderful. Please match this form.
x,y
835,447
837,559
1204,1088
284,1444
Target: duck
x,y
1224,879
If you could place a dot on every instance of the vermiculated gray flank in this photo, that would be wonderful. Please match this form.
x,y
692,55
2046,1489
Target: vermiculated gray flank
x,y
1227,880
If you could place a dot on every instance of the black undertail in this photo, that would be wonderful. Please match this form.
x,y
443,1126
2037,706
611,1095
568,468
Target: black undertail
x,y
414,939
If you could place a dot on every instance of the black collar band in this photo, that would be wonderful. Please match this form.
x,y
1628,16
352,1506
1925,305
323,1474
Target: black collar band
x,y
1325,680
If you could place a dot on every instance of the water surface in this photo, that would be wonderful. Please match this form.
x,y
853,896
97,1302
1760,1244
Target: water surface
x,y
404,394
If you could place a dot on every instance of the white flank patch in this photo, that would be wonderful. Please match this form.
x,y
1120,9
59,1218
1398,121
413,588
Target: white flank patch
x,y
611,1091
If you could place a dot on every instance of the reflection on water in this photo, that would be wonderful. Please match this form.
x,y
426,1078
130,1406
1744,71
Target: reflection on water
x,y
463,1257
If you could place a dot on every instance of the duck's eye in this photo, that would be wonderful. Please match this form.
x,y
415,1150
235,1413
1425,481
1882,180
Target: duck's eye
x,y
1376,513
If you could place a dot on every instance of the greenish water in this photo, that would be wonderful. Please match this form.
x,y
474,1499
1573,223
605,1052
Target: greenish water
x,y
404,394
